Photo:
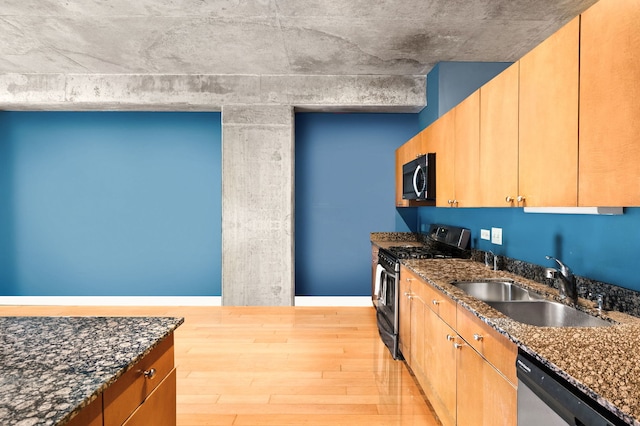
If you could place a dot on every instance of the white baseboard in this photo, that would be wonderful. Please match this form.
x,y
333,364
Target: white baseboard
x,y
111,300
168,300
333,301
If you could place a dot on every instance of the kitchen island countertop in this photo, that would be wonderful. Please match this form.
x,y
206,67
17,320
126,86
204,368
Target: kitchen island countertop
x,y
52,367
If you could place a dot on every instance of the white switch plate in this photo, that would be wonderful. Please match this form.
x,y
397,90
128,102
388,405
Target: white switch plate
x,y
496,236
485,234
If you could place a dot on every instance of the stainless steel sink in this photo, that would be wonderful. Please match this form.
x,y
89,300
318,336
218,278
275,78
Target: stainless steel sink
x,y
545,313
496,290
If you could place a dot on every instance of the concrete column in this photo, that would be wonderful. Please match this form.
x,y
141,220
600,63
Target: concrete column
x,y
257,205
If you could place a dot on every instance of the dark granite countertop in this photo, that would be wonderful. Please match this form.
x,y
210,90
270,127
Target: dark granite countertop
x,y
603,362
52,367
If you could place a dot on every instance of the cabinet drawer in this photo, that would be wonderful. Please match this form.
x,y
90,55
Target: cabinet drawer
x,y
159,409
493,346
441,304
131,389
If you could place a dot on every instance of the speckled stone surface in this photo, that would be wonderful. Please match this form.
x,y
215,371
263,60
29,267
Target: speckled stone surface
x,y
393,237
603,362
51,367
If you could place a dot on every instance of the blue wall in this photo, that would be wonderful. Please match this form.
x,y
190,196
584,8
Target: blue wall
x,y
345,189
603,248
110,203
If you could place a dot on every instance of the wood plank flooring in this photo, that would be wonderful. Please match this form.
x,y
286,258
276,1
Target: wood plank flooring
x,y
279,366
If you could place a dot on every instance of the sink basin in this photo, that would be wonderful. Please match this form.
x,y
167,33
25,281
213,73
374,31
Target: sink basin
x,y
496,290
545,313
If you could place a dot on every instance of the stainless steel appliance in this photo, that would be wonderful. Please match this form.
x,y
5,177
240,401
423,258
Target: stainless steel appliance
x,y
544,398
419,178
441,242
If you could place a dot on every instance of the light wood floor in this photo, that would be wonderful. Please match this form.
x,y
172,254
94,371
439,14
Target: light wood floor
x,y
279,366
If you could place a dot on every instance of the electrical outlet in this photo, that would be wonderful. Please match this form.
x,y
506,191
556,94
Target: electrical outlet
x,y
496,236
485,234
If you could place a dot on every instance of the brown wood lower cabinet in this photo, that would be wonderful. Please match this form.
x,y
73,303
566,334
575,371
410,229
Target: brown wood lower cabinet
x,y
440,376
144,395
91,415
465,368
156,409
484,396
134,388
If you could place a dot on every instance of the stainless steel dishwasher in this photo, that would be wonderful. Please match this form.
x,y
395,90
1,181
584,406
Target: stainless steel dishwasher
x,y
546,399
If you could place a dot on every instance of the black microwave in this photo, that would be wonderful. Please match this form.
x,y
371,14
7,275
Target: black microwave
x,y
419,178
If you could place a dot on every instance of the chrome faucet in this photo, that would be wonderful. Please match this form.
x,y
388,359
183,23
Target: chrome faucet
x,y
567,287
495,260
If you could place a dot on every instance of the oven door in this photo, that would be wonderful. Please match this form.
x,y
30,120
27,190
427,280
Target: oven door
x,y
387,312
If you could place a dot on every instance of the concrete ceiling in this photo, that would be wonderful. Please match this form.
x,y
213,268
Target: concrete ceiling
x,y
260,37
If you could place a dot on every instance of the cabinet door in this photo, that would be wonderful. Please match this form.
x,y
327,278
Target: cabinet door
x,y
467,152
404,333
440,359
610,104
418,312
484,396
441,137
548,151
499,139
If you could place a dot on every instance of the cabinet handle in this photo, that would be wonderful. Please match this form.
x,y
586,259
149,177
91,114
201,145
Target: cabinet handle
x,y
435,302
509,199
450,337
150,373
521,198
450,202
458,345
477,337
409,295
409,279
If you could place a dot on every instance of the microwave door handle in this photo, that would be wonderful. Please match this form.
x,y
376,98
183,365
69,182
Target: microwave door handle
x,y
415,180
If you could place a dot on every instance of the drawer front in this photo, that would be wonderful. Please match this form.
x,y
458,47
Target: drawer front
x,y
441,304
132,388
493,346
159,409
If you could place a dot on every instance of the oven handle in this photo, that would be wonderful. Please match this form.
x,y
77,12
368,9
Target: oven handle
x,y
382,297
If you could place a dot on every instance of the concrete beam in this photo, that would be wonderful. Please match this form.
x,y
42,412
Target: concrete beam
x,y
192,92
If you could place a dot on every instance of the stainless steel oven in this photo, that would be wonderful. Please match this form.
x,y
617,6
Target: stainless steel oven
x,y
387,300
442,241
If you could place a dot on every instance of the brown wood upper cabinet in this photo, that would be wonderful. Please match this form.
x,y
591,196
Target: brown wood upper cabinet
x,y
548,122
610,104
438,138
455,139
499,140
